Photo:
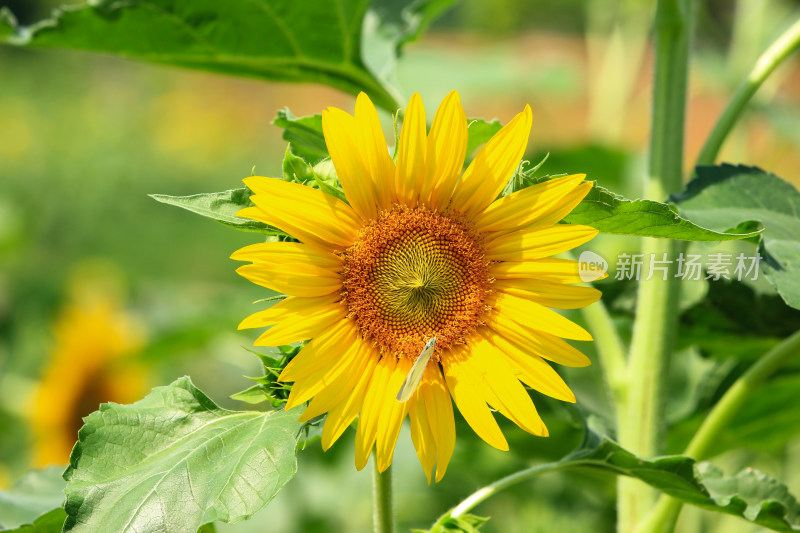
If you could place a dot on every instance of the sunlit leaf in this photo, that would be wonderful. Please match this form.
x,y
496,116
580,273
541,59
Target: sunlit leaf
x,y
297,40
612,213
750,494
723,196
220,206
174,461
37,493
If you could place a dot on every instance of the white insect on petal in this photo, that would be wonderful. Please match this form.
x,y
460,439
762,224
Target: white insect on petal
x,y
414,377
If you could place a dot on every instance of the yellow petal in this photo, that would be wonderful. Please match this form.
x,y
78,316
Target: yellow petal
x,y
341,416
375,151
308,214
320,369
508,394
538,241
344,145
542,344
341,387
392,414
550,269
322,352
531,369
538,317
293,278
280,252
447,147
411,152
440,415
301,327
567,204
491,169
371,410
529,205
467,391
421,435
292,308
549,294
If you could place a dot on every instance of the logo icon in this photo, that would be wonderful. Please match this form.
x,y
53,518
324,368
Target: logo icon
x,y
591,266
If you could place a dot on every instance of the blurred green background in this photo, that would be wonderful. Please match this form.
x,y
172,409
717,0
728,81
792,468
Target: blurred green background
x,y
84,138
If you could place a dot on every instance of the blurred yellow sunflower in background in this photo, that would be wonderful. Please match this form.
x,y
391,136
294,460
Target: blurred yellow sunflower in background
x,y
91,363
421,253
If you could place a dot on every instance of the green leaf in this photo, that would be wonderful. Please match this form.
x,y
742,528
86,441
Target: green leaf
x,y
295,41
735,321
612,213
50,522
304,134
174,461
466,523
252,395
389,25
295,168
222,207
325,180
32,496
479,132
724,196
749,494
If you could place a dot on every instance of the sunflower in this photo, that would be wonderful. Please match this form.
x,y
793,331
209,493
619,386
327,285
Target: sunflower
x,y
421,254
91,362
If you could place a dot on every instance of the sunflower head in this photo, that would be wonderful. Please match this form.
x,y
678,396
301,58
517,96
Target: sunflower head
x,y
91,362
420,252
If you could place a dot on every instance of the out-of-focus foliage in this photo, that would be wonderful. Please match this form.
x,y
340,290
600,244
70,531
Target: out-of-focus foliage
x,y
36,494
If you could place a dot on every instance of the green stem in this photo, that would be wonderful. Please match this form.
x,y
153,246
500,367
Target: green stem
x,y
382,507
640,415
769,60
610,349
488,491
665,514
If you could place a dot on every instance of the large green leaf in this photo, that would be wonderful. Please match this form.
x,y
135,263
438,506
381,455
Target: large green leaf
x,y
35,494
749,494
220,206
612,213
174,461
282,40
722,196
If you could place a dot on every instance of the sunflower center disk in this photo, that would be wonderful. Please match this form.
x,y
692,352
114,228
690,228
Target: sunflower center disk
x,y
414,273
